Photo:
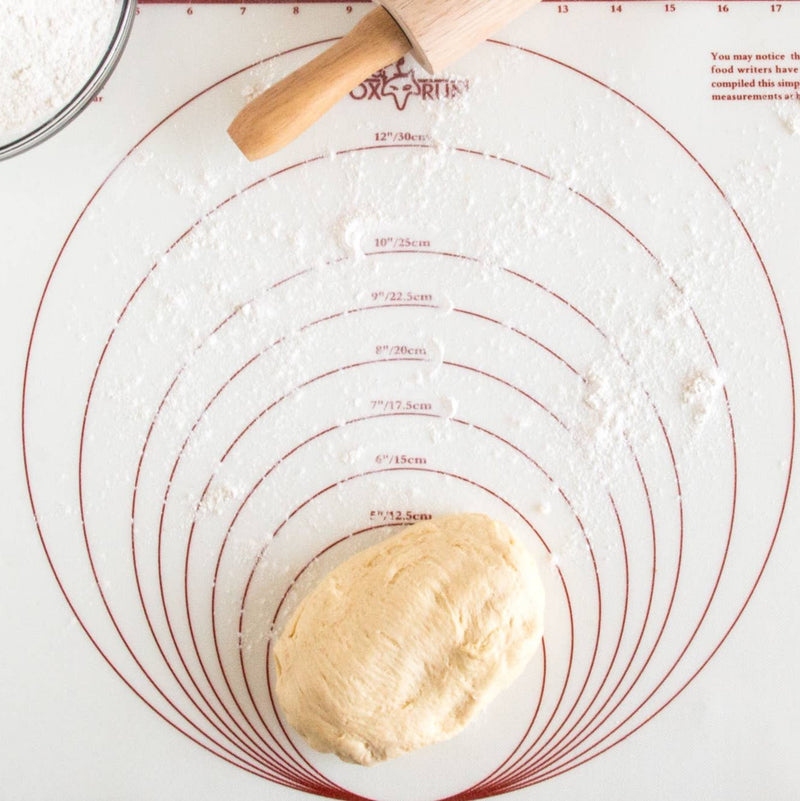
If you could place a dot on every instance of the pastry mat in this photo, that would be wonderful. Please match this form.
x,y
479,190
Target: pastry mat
x,y
557,285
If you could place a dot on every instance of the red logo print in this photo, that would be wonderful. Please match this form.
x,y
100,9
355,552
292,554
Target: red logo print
x,y
401,84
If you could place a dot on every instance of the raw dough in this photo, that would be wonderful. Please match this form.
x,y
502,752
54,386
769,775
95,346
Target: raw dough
x,y
402,644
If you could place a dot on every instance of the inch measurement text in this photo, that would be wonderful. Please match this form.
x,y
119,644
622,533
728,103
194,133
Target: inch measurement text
x,y
397,516
669,8
398,460
397,296
400,406
401,242
395,137
400,350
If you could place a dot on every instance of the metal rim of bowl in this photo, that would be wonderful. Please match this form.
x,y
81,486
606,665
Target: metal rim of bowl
x,y
85,95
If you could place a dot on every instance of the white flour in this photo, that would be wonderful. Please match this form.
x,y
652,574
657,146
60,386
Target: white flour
x,y
47,53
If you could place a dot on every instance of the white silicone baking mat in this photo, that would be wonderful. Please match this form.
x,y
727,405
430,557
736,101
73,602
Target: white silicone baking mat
x,y
558,285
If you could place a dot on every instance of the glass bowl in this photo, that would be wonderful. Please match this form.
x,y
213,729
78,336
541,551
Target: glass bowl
x,y
85,95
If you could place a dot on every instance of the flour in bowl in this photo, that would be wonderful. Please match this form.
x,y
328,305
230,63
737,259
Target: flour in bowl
x,y
48,51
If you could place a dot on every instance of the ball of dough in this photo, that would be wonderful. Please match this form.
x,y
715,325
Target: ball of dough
x,y
403,643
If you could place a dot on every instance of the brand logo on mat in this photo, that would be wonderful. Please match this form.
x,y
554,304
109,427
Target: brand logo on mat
x,y
400,84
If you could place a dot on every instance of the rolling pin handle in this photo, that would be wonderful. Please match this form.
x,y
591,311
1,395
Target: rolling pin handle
x,y
285,110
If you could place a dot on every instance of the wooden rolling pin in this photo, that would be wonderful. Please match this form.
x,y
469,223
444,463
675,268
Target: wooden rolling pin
x,y
437,32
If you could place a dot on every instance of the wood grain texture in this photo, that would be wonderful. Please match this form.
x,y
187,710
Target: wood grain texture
x,y
442,31
288,108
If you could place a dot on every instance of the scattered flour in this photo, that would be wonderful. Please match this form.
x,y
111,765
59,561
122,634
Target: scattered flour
x,y
352,456
215,500
789,114
350,232
47,53
699,393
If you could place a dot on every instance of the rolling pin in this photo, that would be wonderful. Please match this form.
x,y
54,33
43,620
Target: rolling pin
x,y
436,32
